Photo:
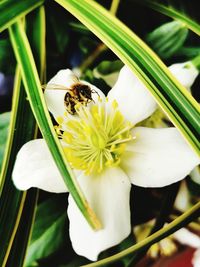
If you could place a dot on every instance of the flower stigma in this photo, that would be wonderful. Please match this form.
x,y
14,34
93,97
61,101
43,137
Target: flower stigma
x,y
97,137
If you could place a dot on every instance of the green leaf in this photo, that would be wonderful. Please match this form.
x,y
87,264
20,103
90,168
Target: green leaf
x,y
36,30
7,60
76,26
108,71
173,13
21,130
173,98
22,204
168,38
60,33
17,252
49,229
128,242
4,124
188,52
108,67
4,121
11,10
33,88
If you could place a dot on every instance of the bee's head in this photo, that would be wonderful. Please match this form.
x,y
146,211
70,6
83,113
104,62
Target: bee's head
x,y
84,90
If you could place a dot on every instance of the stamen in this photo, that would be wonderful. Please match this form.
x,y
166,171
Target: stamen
x,y
97,138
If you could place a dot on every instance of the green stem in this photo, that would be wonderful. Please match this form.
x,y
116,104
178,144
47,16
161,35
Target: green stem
x,y
172,227
114,6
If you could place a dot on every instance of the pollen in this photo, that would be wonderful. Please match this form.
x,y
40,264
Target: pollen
x,y
96,139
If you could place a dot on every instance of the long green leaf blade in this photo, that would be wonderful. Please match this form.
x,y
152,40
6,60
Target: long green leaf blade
x,y
33,88
11,10
17,253
10,198
35,24
4,125
173,98
173,13
48,229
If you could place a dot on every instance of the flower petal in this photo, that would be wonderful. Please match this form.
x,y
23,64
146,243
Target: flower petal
x,y
108,195
55,97
196,258
35,167
135,101
185,237
183,201
185,73
158,157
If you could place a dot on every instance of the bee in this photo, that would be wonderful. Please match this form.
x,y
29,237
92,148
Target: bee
x,y
78,92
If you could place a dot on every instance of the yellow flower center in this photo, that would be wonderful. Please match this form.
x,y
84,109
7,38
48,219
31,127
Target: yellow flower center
x,y
97,137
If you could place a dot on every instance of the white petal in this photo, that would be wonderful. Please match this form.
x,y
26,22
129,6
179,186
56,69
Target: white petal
x,y
196,258
35,167
135,101
55,97
186,237
185,73
108,195
183,199
195,175
158,157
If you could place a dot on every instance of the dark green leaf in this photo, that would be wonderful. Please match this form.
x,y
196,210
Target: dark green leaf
x,y
108,67
108,71
17,252
76,26
7,60
168,38
22,204
4,124
49,232
172,12
22,130
60,33
11,10
188,52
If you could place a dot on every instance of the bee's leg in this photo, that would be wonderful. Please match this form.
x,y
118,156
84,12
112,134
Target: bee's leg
x,y
69,103
73,104
95,92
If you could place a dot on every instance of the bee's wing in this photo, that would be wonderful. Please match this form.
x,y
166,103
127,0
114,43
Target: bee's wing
x,y
75,79
52,86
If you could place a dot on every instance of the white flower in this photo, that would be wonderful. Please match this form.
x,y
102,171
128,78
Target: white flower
x,y
108,154
185,73
196,258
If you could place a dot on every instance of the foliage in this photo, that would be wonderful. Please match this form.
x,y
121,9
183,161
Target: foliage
x,y
4,124
96,49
